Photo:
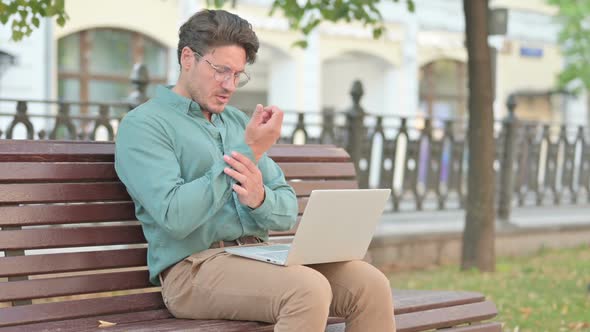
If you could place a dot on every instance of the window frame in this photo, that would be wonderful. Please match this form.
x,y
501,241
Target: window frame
x,y
431,94
84,76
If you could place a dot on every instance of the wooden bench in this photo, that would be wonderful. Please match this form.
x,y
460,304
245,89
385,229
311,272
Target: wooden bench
x,y
74,253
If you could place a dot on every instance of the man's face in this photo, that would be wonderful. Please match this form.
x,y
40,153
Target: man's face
x,y
204,79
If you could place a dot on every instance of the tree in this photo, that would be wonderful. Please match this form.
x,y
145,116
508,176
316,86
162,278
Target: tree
x,y
478,237
574,38
25,15
305,16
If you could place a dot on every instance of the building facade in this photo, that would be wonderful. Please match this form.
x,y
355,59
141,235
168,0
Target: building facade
x,y
418,68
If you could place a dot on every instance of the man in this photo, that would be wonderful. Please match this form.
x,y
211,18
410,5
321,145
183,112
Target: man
x,y
198,174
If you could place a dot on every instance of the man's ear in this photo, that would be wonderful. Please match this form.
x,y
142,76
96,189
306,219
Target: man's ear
x,y
187,58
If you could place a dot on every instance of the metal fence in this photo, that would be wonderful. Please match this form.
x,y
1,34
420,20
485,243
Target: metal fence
x,y
423,161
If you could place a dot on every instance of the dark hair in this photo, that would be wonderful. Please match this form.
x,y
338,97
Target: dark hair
x,y
211,28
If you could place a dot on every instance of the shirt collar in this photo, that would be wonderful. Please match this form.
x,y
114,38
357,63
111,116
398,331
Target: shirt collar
x,y
177,102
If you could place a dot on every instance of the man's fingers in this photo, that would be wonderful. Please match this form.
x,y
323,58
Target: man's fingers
x,y
259,108
235,164
244,161
240,190
266,115
258,112
235,175
276,118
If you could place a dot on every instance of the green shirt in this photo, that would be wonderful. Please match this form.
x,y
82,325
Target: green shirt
x,y
170,158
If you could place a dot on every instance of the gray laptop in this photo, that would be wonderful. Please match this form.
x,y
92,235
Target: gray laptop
x,y
337,225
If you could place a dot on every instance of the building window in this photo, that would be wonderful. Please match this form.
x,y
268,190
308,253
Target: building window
x,y
443,89
94,65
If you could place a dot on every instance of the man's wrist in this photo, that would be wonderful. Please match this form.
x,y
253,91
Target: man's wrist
x,y
261,201
257,154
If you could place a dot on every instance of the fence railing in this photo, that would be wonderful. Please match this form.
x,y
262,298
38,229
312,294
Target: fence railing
x,y
423,161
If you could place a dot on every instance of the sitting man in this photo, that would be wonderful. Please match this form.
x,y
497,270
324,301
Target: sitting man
x,y
198,174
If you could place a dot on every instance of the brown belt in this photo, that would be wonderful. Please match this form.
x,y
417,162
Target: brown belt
x,y
237,242
222,244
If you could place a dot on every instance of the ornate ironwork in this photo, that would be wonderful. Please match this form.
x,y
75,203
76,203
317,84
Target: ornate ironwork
x,y
423,161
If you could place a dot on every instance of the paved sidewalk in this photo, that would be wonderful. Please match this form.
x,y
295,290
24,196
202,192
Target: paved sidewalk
x,y
416,222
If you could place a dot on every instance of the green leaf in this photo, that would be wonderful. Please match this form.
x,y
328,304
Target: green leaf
x,y
23,14
300,43
17,35
411,6
378,32
574,38
13,7
26,15
61,20
310,26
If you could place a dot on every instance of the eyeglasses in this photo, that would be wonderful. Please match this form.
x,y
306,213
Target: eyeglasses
x,y
224,73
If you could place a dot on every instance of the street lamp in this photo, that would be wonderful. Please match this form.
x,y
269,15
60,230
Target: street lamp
x,y
6,60
497,26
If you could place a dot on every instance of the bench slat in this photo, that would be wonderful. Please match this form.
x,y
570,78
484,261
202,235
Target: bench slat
x,y
477,327
19,172
47,151
307,153
314,170
85,324
82,236
172,325
28,215
97,307
63,286
410,300
445,317
70,237
62,192
304,188
51,151
72,262
442,318
155,320
115,191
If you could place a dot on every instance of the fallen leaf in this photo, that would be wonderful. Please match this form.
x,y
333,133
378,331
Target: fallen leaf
x,y
578,326
526,312
104,323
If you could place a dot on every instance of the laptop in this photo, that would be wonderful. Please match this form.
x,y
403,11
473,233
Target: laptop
x,y
336,226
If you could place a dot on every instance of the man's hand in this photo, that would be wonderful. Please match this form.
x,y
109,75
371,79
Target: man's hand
x,y
264,129
250,188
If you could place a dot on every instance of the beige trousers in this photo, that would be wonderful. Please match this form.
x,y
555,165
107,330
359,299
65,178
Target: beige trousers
x,y
215,285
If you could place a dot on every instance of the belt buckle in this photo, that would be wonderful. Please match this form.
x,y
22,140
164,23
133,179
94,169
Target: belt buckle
x,y
240,242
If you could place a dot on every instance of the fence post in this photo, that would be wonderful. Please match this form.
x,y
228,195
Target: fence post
x,y
140,80
354,124
21,116
507,165
327,135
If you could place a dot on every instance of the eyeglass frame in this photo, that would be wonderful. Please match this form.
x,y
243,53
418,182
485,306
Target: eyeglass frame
x,y
226,71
